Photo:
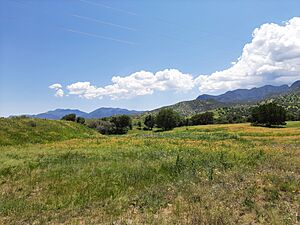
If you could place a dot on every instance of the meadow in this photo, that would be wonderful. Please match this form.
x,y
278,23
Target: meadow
x,y
212,174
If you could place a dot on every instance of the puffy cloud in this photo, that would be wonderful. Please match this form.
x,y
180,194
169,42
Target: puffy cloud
x,y
55,86
136,84
58,90
59,93
272,57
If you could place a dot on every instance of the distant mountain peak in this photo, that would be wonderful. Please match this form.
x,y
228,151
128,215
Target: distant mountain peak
x,y
57,114
251,95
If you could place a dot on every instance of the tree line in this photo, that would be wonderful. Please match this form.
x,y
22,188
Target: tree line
x,y
166,119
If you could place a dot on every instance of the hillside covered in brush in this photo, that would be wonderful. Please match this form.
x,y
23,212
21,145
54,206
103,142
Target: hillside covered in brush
x,y
239,110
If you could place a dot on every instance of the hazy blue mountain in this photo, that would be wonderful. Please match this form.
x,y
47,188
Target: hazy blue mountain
x,y
106,112
59,113
98,113
251,95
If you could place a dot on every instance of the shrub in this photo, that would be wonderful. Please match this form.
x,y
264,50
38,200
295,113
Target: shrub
x,y
80,120
31,123
122,123
269,114
69,117
203,118
167,119
149,122
105,127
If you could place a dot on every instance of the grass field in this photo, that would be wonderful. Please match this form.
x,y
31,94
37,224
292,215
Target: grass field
x,y
214,174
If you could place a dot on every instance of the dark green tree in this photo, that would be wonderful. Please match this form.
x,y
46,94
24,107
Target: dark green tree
x,y
69,117
149,122
80,120
203,118
139,125
167,119
268,115
123,123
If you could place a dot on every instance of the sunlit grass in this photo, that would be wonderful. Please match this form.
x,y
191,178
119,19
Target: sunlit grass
x,y
214,174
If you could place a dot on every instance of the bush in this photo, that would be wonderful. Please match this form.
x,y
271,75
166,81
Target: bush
x,y
149,122
106,127
269,114
203,118
139,125
167,119
69,117
31,123
122,123
80,120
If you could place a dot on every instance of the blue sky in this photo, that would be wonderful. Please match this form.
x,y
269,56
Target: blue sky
x,y
45,42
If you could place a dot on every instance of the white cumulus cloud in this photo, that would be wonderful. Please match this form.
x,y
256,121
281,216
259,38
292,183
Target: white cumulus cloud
x,y
58,90
136,84
272,57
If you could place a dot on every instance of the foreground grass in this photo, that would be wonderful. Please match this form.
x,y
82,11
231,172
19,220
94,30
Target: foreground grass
x,y
218,174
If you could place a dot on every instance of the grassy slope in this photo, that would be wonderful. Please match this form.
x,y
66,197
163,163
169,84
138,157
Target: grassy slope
x,y
22,131
216,174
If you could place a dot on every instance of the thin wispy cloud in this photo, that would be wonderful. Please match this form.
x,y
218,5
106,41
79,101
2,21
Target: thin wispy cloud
x,y
104,22
108,7
100,36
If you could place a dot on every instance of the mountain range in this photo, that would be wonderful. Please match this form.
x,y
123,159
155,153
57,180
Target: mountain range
x,y
98,113
234,98
251,95
241,98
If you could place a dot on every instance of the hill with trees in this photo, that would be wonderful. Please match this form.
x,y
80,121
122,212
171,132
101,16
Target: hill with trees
x,y
234,111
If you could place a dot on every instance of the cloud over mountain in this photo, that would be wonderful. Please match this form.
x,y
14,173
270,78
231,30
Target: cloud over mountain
x,y
272,57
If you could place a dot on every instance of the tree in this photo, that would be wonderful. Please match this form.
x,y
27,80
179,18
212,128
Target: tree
x,y
123,123
80,120
203,118
106,127
69,117
139,124
149,122
167,119
269,114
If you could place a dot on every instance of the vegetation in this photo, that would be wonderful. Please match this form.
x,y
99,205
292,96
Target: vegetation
x,y
14,131
214,174
69,117
122,123
149,122
80,120
203,118
167,119
269,114
113,125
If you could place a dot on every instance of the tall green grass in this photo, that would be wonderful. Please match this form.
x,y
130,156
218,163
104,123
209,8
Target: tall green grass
x,y
15,131
203,175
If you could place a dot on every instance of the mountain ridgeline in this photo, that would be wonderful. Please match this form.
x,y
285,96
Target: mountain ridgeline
x,y
253,94
98,113
241,100
231,102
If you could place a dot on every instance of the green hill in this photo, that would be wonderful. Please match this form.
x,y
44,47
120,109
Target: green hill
x,y
188,108
238,112
15,131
